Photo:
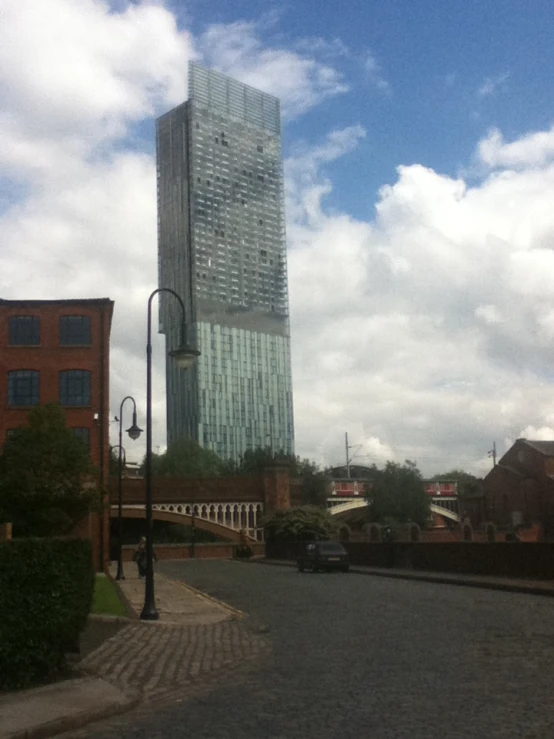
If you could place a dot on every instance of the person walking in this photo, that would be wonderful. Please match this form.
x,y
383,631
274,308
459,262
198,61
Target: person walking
x,y
140,557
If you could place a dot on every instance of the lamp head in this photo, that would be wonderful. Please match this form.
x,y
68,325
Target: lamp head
x,y
134,432
184,356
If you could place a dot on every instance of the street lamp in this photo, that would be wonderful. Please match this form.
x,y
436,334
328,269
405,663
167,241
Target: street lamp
x,y
192,532
134,432
185,357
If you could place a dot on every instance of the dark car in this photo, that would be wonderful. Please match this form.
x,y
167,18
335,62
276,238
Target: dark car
x,y
323,555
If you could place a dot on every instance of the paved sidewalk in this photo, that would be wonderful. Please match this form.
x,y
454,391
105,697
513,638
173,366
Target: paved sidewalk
x,y
176,602
511,585
195,639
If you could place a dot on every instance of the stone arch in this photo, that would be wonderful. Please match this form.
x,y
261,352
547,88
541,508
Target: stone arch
x,y
235,516
212,513
204,512
251,522
228,516
243,517
220,514
160,515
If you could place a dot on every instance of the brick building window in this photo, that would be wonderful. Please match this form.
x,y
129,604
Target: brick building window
x,y
83,434
74,330
23,387
24,331
75,387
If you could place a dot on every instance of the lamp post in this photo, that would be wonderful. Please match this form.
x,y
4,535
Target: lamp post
x,y
192,532
185,358
134,432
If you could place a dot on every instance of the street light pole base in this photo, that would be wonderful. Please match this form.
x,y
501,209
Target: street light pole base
x,y
149,613
120,576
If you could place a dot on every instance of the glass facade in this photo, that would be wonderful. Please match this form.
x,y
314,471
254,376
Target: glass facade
x,y
221,246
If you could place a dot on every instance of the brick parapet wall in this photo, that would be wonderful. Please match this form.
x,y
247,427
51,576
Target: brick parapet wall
x,y
214,550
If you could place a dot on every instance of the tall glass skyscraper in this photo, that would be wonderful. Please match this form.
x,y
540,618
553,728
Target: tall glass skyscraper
x,y
221,246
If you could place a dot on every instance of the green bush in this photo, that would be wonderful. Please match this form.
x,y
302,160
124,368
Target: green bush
x,y
305,523
46,588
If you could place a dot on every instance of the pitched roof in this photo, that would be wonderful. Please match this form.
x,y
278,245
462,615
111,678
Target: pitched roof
x,y
544,447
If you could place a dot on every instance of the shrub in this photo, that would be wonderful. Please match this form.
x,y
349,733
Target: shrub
x,y
46,588
244,551
305,523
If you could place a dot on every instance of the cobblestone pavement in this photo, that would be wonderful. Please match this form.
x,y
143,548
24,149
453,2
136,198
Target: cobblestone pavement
x,y
155,658
357,656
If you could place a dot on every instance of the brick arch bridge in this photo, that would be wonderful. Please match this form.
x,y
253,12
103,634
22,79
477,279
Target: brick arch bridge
x,y
221,505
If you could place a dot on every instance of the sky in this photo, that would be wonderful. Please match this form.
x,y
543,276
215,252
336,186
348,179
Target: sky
x,y
418,144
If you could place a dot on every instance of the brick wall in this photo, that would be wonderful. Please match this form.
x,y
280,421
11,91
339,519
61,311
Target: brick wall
x,y
214,550
49,358
501,559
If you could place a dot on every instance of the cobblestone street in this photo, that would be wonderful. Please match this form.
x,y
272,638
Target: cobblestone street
x,y
155,658
339,656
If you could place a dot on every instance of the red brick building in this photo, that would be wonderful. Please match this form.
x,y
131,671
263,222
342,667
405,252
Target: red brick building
x,y
519,490
57,351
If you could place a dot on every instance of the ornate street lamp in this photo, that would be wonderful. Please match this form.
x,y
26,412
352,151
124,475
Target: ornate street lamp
x,y
185,357
134,433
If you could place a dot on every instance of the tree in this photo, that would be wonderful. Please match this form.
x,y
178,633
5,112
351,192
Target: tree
x,y
397,495
44,469
114,461
315,482
185,458
305,523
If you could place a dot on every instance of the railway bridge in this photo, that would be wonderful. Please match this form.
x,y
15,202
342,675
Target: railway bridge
x,y
225,506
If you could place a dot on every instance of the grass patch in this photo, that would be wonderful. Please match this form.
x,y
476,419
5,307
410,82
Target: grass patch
x,y
106,599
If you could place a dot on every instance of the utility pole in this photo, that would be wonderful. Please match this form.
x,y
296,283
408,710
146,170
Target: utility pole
x,y
492,453
347,458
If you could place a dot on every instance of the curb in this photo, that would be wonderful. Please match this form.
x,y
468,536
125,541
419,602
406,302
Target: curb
x,y
111,619
132,615
506,587
446,580
235,611
61,725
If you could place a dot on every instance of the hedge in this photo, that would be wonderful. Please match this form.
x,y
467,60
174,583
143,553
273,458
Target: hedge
x,y
46,588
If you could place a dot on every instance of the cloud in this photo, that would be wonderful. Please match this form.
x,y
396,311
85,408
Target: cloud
x,y
373,70
300,81
75,75
430,327
533,150
545,433
491,85
303,168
